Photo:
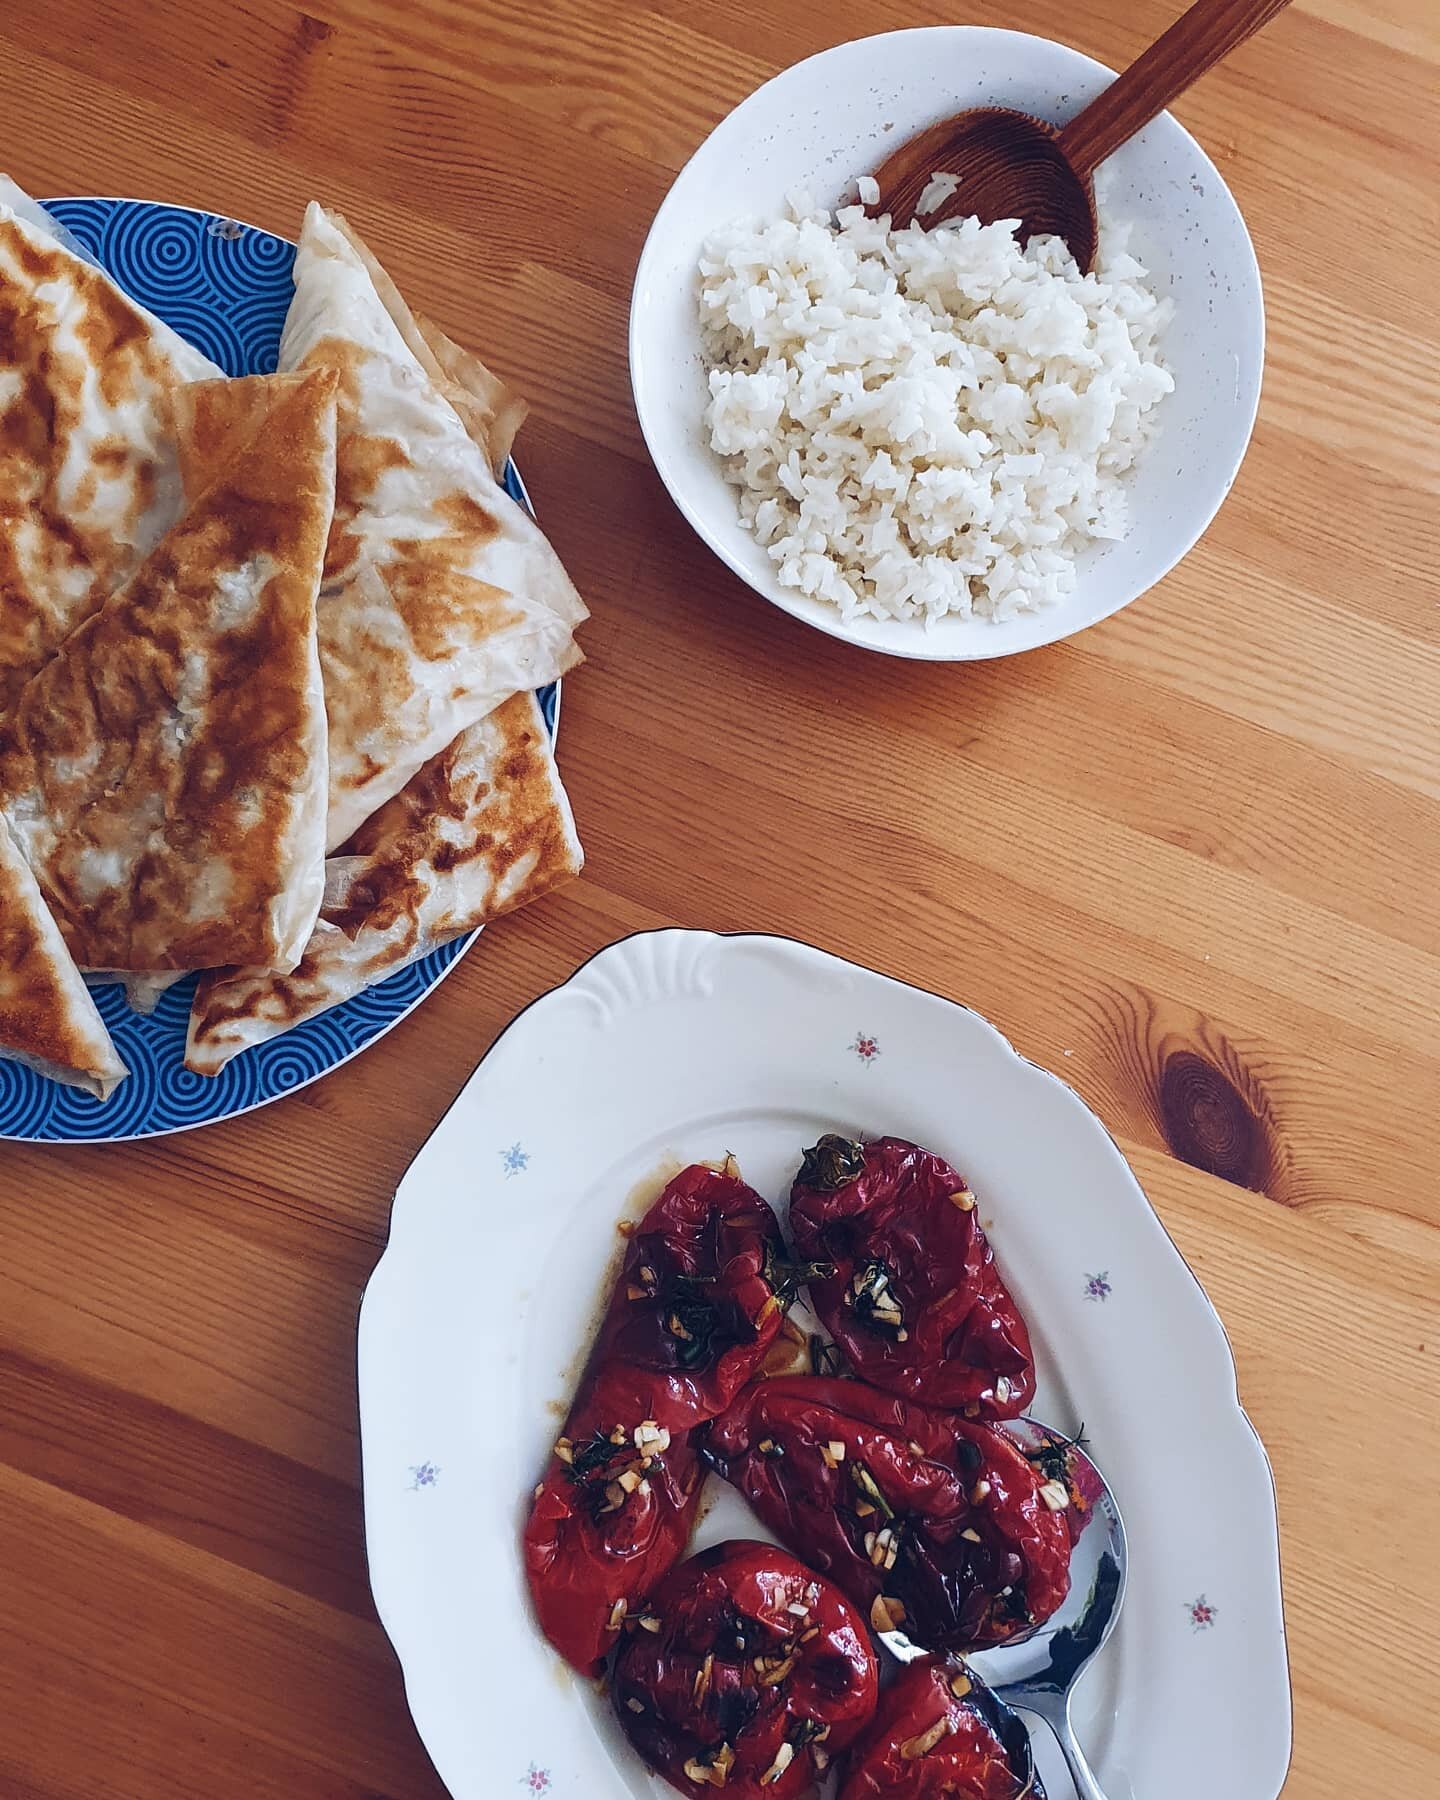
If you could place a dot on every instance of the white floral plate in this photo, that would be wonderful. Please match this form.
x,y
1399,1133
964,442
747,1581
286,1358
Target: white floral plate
x,y
679,1045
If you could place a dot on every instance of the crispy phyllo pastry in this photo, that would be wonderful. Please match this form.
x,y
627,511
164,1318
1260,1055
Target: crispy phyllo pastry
x,y
47,1018
88,478
442,596
164,773
482,829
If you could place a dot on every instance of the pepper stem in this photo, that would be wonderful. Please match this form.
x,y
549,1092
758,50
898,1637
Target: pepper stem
x,y
832,1163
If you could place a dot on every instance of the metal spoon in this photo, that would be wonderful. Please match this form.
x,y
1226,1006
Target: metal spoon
x,y
1038,1674
1013,1733
1013,166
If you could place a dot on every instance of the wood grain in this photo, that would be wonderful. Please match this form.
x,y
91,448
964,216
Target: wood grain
x,y
1188,860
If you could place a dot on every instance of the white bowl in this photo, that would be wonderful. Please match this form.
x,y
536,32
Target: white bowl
x,y
837,115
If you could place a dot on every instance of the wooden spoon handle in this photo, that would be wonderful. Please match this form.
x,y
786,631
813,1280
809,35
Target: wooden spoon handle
x,y
1196,41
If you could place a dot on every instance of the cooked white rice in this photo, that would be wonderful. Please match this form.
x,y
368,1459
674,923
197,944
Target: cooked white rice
x,y
926,422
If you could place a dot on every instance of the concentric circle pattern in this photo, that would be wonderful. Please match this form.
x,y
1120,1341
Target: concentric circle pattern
x,y
224,286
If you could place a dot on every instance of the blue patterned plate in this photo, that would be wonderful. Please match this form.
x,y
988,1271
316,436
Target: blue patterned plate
x,y
225,287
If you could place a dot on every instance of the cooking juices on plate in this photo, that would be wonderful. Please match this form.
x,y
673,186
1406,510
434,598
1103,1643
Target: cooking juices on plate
x,y
900,1500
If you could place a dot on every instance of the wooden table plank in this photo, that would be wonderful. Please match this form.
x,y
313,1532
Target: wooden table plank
x,y
1188,860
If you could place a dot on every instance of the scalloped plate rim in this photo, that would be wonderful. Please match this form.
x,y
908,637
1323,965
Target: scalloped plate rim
x,y
401,1239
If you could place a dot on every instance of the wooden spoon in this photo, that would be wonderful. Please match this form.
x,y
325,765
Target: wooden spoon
x,y
1013,166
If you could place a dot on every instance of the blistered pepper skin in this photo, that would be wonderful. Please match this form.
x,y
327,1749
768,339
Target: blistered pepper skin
x,y
937,1735
692,1314
745,1672
694,1308
915,1300
898,1503
587,1558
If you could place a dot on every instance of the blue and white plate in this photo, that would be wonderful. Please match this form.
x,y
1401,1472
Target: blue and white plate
x,y
225,287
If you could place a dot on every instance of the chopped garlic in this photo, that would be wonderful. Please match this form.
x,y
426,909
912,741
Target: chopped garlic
x,y
775,1669
784,1756
923,1742
887,1613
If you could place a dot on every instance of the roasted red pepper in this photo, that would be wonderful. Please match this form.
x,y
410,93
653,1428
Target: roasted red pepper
x,y
613,1513
915,1300
744,1672
699,1299
938,1735
693,1312
932,1523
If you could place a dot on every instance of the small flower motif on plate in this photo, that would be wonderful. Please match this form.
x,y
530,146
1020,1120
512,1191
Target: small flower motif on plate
x,y
536,1780
515,1160
1202,1614
423,1475
1097,1287
865,1047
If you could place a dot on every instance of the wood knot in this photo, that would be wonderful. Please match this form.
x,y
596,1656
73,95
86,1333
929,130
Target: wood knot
x,y
1209,1124
311,32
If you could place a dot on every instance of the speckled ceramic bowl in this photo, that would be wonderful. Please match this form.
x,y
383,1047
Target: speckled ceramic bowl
x,y
835,116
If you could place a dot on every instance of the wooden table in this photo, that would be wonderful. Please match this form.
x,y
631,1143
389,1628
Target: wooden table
x,y
1189,859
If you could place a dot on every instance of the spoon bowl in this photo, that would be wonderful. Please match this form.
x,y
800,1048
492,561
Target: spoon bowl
x,y
1009,165
1014,1734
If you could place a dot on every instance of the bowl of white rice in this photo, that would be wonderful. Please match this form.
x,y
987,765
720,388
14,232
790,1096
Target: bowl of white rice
x,y
947,443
